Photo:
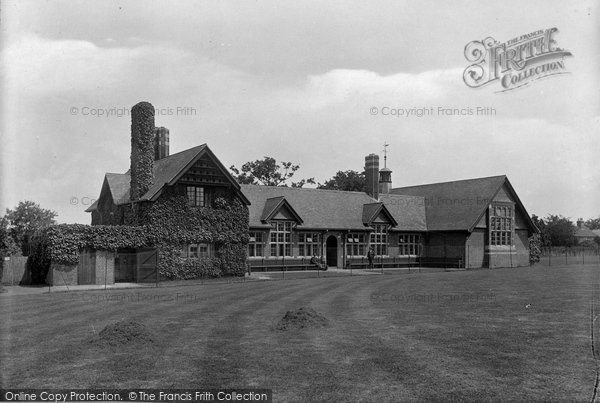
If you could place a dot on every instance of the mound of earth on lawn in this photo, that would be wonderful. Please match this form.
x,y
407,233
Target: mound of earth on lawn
x,y
124,333
300,319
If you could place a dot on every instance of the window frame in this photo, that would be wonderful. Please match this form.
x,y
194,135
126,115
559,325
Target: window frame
x,y
280,239
409,242
193,251
196,195
256,244
501,224
379,238
309,242
356,244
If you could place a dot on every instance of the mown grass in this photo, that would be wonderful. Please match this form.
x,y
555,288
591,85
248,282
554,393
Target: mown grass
x,y
520,334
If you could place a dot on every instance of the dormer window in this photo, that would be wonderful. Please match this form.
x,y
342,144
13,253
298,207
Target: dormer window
x,y
195,196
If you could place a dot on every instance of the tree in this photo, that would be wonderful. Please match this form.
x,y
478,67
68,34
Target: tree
x,y
345,180
544,238
593,223
25,219
268,172
8,246
560,231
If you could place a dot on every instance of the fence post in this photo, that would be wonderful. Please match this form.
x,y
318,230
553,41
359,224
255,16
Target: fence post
x,y
105,268
566,260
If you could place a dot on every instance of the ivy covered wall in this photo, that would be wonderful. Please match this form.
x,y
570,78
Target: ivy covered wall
x,y
166,225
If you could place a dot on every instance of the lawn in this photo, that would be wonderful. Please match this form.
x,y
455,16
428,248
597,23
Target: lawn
x,y
510,334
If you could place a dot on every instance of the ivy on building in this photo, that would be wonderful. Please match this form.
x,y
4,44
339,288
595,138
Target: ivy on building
x,y
165,225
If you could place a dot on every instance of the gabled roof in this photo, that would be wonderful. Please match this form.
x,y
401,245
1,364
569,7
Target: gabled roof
x,y
408,211
372,210
166,172
168,168
584,232
274,205
459,205
333,209
118,187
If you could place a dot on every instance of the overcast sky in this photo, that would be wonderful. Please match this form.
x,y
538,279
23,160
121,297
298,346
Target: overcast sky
x,y
296,81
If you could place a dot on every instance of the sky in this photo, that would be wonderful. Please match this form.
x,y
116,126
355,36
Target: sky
x,y
310,82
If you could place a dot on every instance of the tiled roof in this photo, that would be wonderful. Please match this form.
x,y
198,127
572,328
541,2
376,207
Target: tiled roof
x,y
596,232
369,211
584,232
165,171
273,205
119,187
333,209
456,205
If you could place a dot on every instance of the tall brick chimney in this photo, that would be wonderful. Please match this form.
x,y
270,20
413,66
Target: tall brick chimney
x,y
372,175
142,149
161,143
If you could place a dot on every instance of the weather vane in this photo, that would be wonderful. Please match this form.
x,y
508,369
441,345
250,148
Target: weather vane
x,y
385,146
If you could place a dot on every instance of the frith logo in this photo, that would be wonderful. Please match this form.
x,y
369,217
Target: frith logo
x,y
516,62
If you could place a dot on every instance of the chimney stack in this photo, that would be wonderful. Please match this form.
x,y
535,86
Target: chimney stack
x,y
580,223
161,143
372,175
142,149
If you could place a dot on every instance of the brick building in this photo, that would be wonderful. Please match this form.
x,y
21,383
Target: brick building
x,y
469,223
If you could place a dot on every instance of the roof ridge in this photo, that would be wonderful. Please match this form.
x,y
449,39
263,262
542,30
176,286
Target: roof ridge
x,y
311,189
182,151
460,180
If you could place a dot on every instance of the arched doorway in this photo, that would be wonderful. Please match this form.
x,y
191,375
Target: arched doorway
x,y
331,255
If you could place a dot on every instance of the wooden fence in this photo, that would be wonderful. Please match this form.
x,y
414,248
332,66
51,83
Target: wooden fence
x,y
13,270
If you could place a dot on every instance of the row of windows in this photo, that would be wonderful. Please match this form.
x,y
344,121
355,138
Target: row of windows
x,y
196,251
310,243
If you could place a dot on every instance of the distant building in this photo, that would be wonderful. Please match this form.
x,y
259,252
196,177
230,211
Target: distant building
x,y
583,233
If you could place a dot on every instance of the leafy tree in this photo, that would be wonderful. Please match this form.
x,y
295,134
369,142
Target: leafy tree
x,y
25,219
8,246
560,231
593,223
345,180
268,172
541,225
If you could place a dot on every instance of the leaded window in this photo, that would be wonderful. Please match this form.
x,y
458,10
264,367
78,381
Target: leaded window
x,y
409,244
501,225
281,238
256,245
195,196
309,244
356,244
379,239
196,251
